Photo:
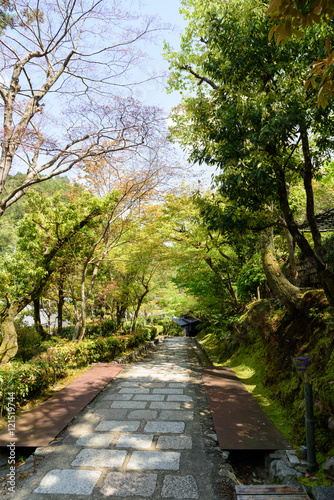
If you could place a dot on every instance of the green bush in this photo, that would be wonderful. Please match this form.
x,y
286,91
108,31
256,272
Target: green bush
x,y
67,332
173,329
166,326
250,277
27,379
29,342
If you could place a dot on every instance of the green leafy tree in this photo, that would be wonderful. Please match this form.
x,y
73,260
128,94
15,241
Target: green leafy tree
x,y
199,247
43,234
10,220
292,18
75,60
245,112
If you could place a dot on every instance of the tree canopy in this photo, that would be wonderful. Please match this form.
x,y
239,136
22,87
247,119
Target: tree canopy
x,y
246,112
68,86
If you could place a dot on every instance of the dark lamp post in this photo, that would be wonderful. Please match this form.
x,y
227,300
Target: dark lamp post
x,y
301,364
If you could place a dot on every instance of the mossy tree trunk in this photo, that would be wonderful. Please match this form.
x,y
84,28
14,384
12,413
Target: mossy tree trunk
x,y
9,344
288,294
314,255
37,318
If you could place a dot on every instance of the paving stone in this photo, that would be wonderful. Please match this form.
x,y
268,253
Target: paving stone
x,y
323,492
175,443
69,482
95,440
136,441
179,397
145,378
177,385
179,487
143,414
164,405
167,391
108,414
154,460
165,427
99,458
113,425
149,397
130,405
127,384
135,390
176,415
116,397
155,385
124,484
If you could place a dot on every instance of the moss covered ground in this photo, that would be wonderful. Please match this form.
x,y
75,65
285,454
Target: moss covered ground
x,y
259,348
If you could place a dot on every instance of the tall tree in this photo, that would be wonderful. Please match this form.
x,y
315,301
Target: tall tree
x,y
137,179
195,242
43,235
248,115
67,87
293,18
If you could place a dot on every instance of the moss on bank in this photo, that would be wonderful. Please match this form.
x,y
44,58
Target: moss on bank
x,y
259,348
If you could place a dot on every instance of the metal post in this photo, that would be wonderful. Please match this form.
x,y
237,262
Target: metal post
x,y
310,435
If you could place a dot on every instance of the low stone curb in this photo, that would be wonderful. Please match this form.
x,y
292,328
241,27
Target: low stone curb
x,y
203,353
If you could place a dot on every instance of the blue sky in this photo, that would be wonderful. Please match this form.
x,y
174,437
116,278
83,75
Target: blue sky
x,y
168,11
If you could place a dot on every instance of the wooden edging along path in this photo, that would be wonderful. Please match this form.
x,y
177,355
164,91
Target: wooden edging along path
x,y
271,492
240,422
39,426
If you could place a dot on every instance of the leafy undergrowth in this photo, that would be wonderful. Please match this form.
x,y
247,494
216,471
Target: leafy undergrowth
x,y
28,380
259,348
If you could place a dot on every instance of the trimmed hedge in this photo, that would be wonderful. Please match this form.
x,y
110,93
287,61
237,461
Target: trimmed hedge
x,y
31,378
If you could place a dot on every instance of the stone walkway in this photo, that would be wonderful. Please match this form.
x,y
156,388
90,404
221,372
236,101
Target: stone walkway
x,y
140,438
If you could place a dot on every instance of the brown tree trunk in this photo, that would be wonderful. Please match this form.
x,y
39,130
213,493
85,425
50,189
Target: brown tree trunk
x,y
9,345
76,329
83,318
60,304
288,294
37,318
308,175
292,260
326,276
139,304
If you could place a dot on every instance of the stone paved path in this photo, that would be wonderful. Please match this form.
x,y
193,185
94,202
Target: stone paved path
x,y
140,438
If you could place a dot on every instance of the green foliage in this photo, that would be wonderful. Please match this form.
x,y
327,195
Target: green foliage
x,y
29,342
149,332
67,332
12,216
250,277
170,327
329,251
27,379
259,348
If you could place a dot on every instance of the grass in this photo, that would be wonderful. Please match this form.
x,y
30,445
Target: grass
x,y
248,368
249,365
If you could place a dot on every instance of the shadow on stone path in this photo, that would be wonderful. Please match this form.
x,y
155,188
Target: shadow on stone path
x,y
141,437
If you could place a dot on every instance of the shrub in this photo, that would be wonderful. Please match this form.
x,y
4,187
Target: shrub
x,y
27,379
250,277
29,342
67,332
